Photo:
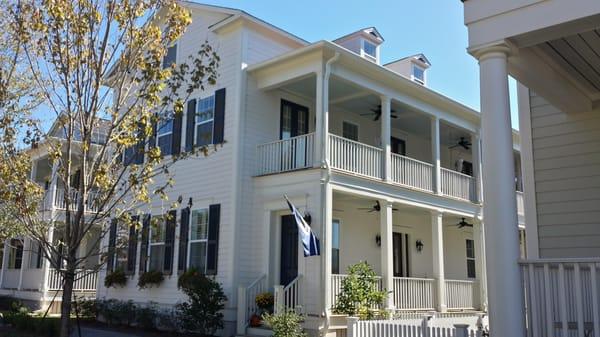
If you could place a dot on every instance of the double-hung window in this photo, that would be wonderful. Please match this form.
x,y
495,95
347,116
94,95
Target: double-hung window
x,y
418,74
170,57
15,254
350,131
197,243
157,244
335,247
370,49
121,246
205,117
470,258
35,256
164,136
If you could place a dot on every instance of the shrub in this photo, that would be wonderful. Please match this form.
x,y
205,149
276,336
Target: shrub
x,y
285,324
360,293
146,316
201,313
37,326
86,308
168,320
265,301
6,302
117,312
115,278
150,278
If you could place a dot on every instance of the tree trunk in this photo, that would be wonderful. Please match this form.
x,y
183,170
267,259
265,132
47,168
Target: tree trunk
x,y
65,310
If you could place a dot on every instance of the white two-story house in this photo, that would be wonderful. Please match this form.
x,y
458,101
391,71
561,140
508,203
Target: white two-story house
x,y
385,169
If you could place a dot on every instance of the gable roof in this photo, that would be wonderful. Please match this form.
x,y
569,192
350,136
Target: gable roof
x,y
421,57
372,32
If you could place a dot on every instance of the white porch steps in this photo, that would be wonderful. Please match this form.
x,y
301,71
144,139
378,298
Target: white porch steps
x,y
258,332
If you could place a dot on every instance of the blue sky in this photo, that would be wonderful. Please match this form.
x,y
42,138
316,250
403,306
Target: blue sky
x,y
432,27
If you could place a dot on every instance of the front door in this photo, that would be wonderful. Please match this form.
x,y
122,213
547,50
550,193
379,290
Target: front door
x,y
293,123
289,250
400,252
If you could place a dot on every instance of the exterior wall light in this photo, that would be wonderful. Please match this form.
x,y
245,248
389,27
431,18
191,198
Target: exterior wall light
x,y
378,240
419,244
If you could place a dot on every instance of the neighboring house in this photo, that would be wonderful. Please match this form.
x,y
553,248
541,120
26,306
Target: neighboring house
x,y
25,273
385,169
552,48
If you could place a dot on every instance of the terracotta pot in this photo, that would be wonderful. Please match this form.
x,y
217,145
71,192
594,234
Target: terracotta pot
x,y
255,321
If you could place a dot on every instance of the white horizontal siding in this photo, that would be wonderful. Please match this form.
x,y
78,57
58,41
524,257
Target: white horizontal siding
x,y
566,152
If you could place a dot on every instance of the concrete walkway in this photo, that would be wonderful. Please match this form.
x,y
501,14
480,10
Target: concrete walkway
x,y
91,332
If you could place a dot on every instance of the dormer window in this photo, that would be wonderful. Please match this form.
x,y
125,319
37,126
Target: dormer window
x,y
369,48
418,74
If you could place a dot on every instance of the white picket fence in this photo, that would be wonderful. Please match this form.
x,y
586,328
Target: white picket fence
x,y
247,302
391,328
562,297
354,157
286,155
85,280
458,185
411,172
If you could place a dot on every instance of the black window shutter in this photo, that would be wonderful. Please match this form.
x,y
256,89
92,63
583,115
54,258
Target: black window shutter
x,y
112,241
169,242
219,126
140,147
183,239
190,125
176,137
212,251
145,241
132,246
152,138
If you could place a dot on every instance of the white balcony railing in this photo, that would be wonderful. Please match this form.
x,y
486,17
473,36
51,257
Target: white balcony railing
x,y
461,294
354,157
411,172
458,185
85,280
414,293
562,297
286,155
520,203
60,202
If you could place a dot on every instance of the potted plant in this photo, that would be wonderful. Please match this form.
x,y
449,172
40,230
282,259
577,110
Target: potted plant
x,y
116,278
264,302
150,278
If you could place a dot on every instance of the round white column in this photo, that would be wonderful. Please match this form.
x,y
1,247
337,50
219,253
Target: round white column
x,y
505,292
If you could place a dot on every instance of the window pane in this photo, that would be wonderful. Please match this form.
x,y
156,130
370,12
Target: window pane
x,y
165,126
286,121
198,256
157,253
171,57
419,73
335,251
471,268
370,49
206,109
335,261
470,249
199,228
350,131
204,134
158,231
165,143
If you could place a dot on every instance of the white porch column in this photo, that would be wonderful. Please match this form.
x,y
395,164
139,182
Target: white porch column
x,y
327,243
386,107
476,148
478,240
321,122
387,259
505,292
437,246
46,266
24,261
435,155
4,262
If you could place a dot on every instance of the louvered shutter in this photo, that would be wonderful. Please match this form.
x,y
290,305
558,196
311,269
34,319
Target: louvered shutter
x,y
112,240
219,126
183,239
140,147
132,246
190,125
171,222
212,250
145,242
176,137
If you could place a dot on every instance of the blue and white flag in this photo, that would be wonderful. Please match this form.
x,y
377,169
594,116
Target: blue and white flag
x,y
309,239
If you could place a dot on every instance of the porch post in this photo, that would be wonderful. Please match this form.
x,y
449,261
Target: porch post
x,y
24,261
435,154
327,244
387,260
4,262
437,246
475,140
46,265
321,121
386,137
505,290
480,263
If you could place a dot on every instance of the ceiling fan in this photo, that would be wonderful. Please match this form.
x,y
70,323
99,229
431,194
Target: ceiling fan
x,y
462,142
463,223
376,112
374,208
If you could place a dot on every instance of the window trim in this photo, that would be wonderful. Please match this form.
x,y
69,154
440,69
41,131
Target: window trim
x,y
412,73
212,120
357,130
163,220
190,240
364,52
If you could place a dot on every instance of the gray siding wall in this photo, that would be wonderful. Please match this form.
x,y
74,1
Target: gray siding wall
x,y
566,153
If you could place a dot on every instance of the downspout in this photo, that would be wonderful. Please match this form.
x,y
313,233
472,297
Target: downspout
x,y
325,177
